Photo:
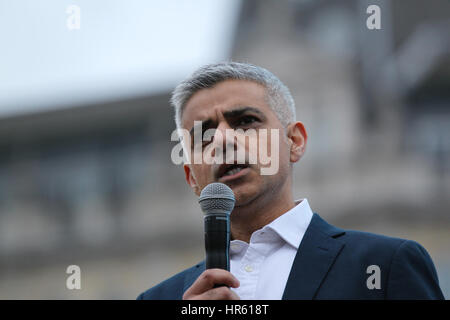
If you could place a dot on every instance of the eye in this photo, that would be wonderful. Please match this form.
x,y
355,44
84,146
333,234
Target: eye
x,y
246,120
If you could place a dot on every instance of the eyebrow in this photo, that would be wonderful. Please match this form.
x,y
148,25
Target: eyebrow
x,y
230,114
239,111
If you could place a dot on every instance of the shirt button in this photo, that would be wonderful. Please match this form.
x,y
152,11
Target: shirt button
x,y
235,248
248,268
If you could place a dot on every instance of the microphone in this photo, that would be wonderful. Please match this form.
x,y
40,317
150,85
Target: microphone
x,y
217,201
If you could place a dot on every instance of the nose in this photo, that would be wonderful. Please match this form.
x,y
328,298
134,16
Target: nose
x,y
220,134
222,141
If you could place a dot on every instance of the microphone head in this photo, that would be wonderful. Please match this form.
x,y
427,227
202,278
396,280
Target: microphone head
x,y
216,198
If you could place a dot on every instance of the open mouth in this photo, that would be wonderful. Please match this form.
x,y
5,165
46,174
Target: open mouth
x,y
232,171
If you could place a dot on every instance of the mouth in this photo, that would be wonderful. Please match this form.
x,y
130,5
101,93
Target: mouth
x,y
227,172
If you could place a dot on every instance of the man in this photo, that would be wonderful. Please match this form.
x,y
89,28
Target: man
x,y
279,248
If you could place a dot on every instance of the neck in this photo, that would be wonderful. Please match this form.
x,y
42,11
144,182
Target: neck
x,y
260,211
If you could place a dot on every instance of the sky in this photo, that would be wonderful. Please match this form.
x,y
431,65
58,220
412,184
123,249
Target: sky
x,y
121,48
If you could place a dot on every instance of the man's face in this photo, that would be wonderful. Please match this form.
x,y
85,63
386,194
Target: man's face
x,y
232,105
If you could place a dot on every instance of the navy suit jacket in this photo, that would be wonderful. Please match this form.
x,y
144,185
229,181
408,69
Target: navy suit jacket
x,y
331,263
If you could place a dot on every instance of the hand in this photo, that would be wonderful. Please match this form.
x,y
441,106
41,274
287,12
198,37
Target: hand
x,y
203,288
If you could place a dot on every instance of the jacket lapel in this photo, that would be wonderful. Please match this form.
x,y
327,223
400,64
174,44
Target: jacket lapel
x,y
315,255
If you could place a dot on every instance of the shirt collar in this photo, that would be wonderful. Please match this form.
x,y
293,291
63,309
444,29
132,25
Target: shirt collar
x,y
292,225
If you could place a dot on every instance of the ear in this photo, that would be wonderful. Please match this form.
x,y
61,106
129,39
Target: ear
x,y
190,179
297,138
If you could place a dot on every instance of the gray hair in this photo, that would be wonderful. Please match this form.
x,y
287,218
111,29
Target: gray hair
x,y
279,96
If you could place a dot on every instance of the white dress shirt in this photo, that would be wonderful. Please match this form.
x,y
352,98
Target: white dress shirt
x,y
263,265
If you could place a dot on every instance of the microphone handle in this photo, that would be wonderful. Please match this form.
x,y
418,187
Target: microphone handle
x,y
217,241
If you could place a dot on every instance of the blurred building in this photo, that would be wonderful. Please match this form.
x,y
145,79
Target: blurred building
x,y
93,184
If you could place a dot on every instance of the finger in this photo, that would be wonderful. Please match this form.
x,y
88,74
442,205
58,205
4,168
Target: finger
x,y
221,293
211,277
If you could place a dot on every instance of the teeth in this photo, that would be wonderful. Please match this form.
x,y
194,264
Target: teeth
x,y
233,171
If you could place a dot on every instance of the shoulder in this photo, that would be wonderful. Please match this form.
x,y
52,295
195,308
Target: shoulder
x,y
396,252
381,246
406,267
174,287
359,241
365,248
372,241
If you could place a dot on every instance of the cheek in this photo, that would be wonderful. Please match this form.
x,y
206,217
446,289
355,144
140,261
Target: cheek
x,y
201,173
272,143
285,149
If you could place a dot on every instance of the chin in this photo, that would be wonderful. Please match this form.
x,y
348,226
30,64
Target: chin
x,y
244,194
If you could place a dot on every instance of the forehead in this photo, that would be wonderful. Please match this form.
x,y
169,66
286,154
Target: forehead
x,y
226,95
